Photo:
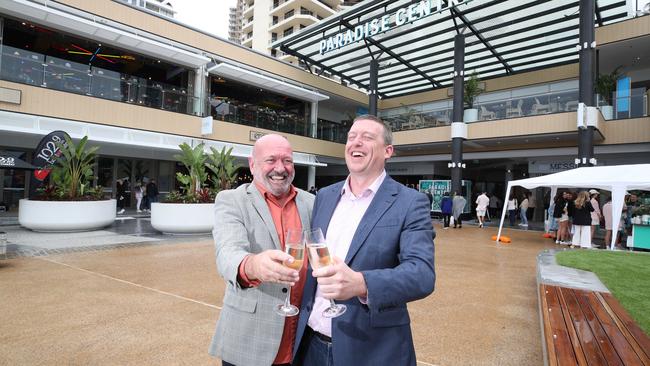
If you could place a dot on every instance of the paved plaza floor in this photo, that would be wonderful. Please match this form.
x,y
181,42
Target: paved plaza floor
x,y
156,301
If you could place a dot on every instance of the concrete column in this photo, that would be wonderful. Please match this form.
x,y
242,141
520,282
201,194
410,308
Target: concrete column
x,y
311,176
459,128
200,93
587,76
313,120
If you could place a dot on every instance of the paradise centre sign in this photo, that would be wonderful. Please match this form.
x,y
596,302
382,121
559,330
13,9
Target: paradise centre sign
x,y
401,16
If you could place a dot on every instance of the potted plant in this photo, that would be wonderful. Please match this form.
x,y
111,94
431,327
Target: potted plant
x,y
68,202
472,88
190,210
605,86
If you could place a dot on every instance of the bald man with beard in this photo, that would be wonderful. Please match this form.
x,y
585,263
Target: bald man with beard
x,y
249,232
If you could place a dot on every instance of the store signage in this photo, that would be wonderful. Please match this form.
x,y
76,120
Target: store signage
x,y
255,135
437,188
45,155
550,166
405,15
8,161
206,125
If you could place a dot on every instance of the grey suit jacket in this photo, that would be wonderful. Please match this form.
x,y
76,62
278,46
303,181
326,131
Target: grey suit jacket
x,y
248,330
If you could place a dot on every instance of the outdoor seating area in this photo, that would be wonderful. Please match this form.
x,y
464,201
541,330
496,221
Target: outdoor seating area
x,y
589,328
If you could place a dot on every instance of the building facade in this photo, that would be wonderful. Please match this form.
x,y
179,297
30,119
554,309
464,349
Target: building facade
x,y
267,21
139,84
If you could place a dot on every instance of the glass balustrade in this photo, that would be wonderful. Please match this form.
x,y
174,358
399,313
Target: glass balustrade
x,y
26,67
630,103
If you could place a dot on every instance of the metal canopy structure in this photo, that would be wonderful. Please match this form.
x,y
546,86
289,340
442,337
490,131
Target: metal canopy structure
x,y
502,37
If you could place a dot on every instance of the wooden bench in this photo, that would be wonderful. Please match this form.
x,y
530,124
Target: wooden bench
x,y
589,328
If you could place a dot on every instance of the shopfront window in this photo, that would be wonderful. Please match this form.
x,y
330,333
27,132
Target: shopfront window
x,y
38,56
12,184
244,104
105,173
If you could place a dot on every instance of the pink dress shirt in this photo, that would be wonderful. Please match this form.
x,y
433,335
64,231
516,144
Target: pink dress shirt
x,y
341,229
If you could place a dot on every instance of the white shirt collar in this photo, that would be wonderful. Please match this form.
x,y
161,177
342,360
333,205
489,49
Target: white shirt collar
x,y
372,189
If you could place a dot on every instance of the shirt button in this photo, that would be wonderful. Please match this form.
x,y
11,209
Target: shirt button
x,y
284,290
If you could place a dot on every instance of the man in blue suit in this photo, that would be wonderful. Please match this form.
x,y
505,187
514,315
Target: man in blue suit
x,y
379,235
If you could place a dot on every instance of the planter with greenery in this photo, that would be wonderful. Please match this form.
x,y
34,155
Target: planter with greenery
x,y
68,202
605,87
472,88
190,211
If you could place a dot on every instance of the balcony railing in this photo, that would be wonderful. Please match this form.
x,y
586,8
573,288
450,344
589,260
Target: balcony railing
x,y
274,120
633,105
261,117
26,67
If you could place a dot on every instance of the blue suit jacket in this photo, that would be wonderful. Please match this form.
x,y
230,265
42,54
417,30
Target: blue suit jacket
x,y
393,249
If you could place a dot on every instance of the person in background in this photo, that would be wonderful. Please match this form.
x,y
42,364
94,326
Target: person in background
x,y
532,203
596,216
152,193
495,203
554,228
512,208
609,226
119,195
446,207
313,190
430,197
458,206
580,212
482,202
138,196
523,208
561,212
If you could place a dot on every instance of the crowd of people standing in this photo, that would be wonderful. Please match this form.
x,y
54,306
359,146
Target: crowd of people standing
x,y
145,195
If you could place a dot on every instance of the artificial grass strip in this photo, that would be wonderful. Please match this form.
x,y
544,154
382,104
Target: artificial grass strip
x,y
626,275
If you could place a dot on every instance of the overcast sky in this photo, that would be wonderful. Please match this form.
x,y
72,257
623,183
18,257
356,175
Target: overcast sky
x,y
212,15
208,15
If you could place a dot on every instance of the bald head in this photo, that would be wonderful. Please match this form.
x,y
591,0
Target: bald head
x,y
270,140
272,164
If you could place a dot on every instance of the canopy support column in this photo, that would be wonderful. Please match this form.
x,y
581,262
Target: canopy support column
x,y
374,74
587,47
459,128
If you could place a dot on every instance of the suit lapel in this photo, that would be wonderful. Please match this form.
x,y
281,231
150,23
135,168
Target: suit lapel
x,y
384,198
303,210
263,210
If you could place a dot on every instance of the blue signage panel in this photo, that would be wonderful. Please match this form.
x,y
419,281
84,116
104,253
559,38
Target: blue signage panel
x,y
623,94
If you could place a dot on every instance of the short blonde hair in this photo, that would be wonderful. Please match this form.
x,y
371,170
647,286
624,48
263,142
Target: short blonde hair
x,y
388,134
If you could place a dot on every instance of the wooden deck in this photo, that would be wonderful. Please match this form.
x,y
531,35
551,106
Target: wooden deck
x,y
589,328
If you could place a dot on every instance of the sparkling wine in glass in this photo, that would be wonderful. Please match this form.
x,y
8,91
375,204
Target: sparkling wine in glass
x,y
294,246
319,256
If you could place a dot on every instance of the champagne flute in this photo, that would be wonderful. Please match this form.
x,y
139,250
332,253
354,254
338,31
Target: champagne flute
x,y
319,256
293,245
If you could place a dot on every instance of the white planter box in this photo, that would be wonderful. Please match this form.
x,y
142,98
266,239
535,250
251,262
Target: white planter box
x,y
65,216
182,218
470,115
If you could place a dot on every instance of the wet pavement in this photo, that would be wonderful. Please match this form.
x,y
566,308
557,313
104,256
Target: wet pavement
x,y
129,229
156,302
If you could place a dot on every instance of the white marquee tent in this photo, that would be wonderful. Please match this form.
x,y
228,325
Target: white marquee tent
x,y
618,179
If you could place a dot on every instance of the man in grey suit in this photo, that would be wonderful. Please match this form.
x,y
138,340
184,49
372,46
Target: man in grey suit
x,y
250,226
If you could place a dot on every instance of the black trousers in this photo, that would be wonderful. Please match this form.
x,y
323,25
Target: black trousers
x,y
445,219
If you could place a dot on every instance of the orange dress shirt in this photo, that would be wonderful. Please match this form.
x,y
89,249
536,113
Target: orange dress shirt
x,y
285,217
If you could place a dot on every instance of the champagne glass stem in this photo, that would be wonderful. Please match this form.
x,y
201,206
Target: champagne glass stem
x,y
332,303
287,302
